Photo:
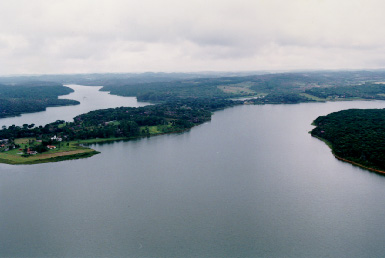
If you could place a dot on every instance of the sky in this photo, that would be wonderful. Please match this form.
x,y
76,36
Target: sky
x,y
94,36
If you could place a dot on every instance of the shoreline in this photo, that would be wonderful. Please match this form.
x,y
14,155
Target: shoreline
x,y
52,157
378,171
57,158
85,152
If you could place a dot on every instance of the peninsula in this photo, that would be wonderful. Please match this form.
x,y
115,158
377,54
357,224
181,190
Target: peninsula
x,y
355,136
63,140
33,96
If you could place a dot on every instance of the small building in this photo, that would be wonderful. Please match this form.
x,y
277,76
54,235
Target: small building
x,y
55,138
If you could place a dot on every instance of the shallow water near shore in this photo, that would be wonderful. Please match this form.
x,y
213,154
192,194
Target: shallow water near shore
x,y
250,183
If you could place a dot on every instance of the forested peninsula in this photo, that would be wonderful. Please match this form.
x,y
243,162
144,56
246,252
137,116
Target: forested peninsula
x,y
28,97
64,140
356,136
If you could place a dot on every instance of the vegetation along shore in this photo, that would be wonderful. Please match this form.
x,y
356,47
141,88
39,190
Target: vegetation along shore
x,y
355,136
63,140
182,101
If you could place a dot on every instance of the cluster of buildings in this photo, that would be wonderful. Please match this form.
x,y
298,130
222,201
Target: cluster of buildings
x,y
5,145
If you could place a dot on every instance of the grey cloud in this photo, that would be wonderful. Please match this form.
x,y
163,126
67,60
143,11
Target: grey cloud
x,y
199,35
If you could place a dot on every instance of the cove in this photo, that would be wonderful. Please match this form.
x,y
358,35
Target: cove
x,y
252,182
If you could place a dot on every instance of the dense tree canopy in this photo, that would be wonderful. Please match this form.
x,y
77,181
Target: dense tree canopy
x,y
357,135
125,121
32,97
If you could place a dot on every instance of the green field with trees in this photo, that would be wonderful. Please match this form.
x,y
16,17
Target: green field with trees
x,y
288,88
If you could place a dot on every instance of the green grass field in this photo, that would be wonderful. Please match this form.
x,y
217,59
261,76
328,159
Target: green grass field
x,y
312,97
65,150
68,150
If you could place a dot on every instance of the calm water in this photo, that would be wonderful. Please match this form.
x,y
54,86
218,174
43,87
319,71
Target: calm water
x,y
90,98
250,183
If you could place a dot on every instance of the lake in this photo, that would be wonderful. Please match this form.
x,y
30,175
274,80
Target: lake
x,y
250,183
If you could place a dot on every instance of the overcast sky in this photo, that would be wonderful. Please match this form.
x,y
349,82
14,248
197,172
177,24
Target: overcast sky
x,y
80,36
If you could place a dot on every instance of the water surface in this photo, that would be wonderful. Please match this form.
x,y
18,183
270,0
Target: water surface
x,y
250,183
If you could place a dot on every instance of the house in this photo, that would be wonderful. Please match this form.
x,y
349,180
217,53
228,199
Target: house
x,y
31,152
51,147
55,138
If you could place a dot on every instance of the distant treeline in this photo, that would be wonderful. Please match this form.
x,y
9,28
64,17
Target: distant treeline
x,y
277,85
356,135
288,88
32,97
174,90
364,91
277,88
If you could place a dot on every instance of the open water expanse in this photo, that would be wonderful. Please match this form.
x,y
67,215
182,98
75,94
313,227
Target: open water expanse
x,y
250,183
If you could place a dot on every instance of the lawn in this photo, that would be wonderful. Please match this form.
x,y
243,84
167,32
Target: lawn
x,y
68,149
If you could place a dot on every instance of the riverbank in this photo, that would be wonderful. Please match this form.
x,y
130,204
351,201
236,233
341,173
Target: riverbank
x,y
381,172
123,123
69,151
355,136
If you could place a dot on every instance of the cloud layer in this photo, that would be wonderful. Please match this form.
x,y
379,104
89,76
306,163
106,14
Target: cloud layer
x,y
77,36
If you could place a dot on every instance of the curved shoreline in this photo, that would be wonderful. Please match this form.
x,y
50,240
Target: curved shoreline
x,y
59,156
359,165
86,152
378,171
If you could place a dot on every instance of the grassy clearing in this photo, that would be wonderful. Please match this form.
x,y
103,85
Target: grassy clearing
x,y
23,140
67,150
241,88
14,158
156,129
151,129
99,140
329,98
313,97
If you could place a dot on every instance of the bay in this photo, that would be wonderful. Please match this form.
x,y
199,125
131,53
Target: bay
x,y
250,183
